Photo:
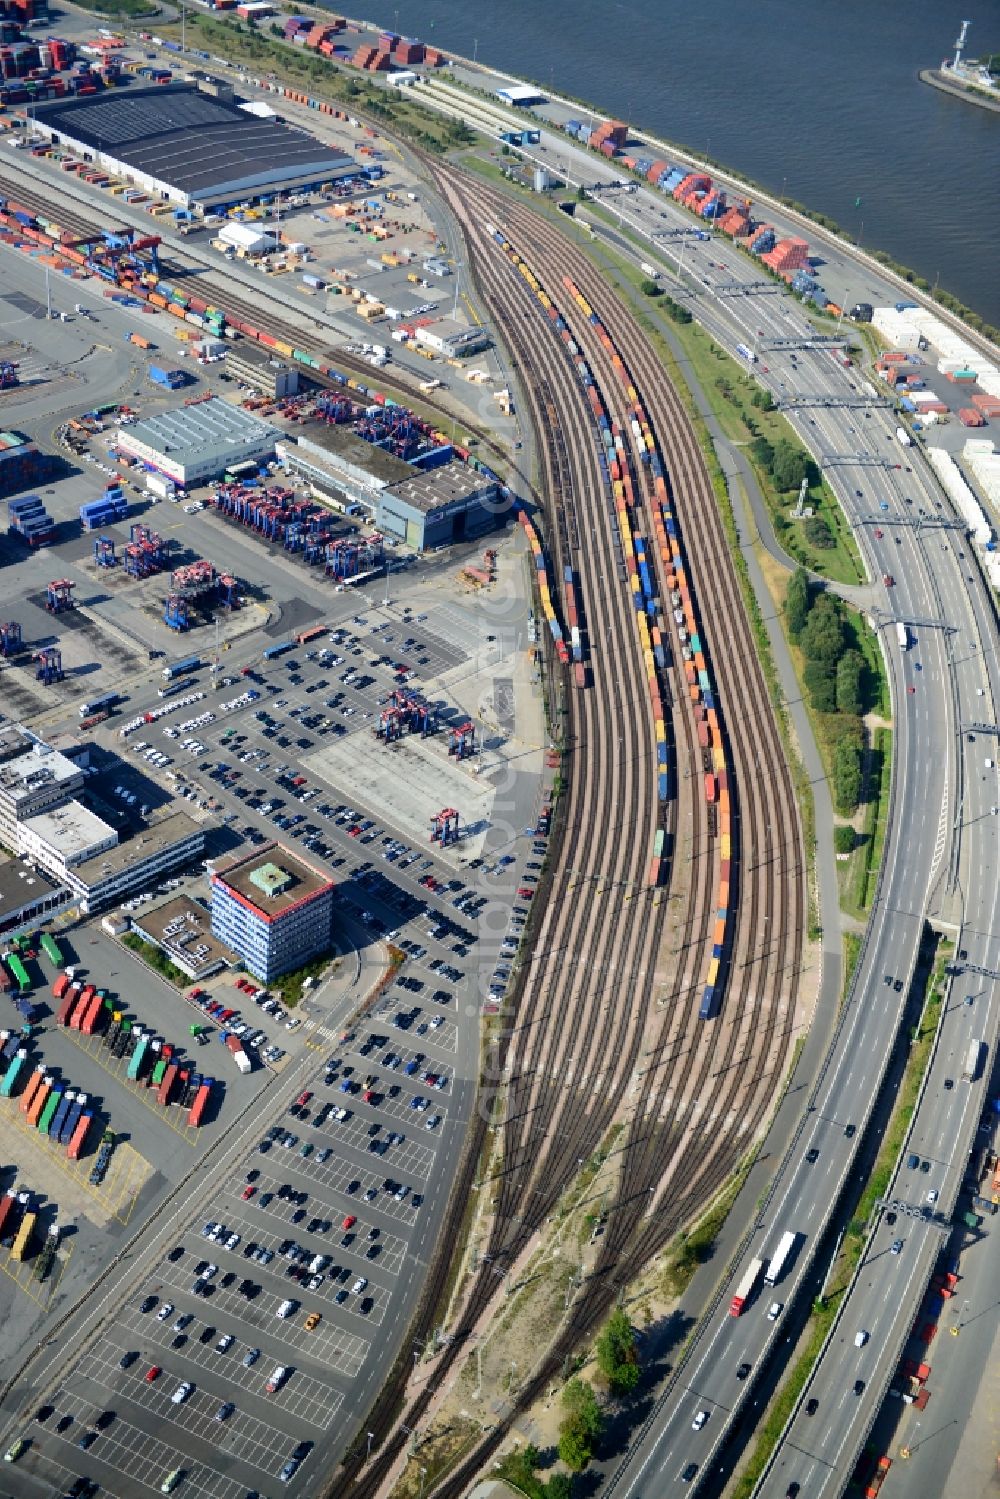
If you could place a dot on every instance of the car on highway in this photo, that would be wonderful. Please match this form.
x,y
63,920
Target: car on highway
x,y
743,1370
774,1310
812,1406
699,1420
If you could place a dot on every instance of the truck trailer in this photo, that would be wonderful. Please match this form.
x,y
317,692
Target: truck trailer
x,y
973,1059
200,1103
779,1260
748,1284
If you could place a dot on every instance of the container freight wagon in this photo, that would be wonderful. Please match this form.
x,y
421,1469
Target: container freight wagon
x,y
24,1234
748,1284
780,1258
201,1101
79,1136
50,948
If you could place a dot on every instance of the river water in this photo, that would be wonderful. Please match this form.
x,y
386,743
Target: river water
x,y
824,106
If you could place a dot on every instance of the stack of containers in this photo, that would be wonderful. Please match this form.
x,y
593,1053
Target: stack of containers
x,y
113,506
29,519
21,463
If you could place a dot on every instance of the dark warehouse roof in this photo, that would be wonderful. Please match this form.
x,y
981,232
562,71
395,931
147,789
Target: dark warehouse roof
x,y
189,140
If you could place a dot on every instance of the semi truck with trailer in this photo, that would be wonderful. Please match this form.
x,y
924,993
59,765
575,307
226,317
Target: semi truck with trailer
x,y
749,1282
779,1260
973,1059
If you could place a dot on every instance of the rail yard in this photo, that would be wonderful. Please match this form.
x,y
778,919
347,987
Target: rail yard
x,y
618,868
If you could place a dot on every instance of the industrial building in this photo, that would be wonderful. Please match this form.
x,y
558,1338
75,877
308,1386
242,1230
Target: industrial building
x,y
273,910
199,442
452,339
261,370
34,778
340,467
43,820
181,929
440,507
184,146
27,897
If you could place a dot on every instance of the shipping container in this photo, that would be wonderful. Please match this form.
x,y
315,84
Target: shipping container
x,y
200,1103
79,1136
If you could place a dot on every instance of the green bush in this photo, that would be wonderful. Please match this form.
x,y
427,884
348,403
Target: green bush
x,y
617,1357
818,534
844,838
580,1427
797,602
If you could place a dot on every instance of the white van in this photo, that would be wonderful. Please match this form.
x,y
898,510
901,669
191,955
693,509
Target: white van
x,y
861,1337
286,1309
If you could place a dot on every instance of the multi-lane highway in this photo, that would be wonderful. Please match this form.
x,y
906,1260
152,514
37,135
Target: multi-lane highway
x,y
941,836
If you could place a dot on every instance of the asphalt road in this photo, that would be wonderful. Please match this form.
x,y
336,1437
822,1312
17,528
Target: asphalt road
x,y
941,823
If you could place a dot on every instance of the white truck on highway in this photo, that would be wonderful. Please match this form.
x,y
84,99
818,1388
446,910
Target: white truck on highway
x,y
780,1257
903,636
903,437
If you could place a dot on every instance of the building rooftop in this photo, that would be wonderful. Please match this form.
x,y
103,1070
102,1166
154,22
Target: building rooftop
x,y
71,830
203,146
252,353
341,443
212,430
173,828
21,773
273,869
439,487
183,929
20,885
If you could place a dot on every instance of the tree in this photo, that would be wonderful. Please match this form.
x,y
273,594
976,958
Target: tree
x,y
559,1486
617,1357
847,775
850,669
581,1425
762,452
843,838
797,602
650,289
790,466
823,636
820,683
818,533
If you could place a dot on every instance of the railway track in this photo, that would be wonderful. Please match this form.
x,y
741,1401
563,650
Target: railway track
x,y
36,201
597,957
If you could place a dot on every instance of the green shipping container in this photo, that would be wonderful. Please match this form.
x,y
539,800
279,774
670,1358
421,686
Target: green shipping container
x,y
158,1072
48,1113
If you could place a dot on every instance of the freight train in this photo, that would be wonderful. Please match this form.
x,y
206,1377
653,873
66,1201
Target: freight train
x,y
636,475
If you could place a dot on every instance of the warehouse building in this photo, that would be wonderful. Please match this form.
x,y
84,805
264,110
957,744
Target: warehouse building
x,y
262,371
182,145
273,910
440,507
452,339
196,443
341,468
83,853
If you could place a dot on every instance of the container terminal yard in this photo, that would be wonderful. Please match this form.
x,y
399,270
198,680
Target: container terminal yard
x,y
447,890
